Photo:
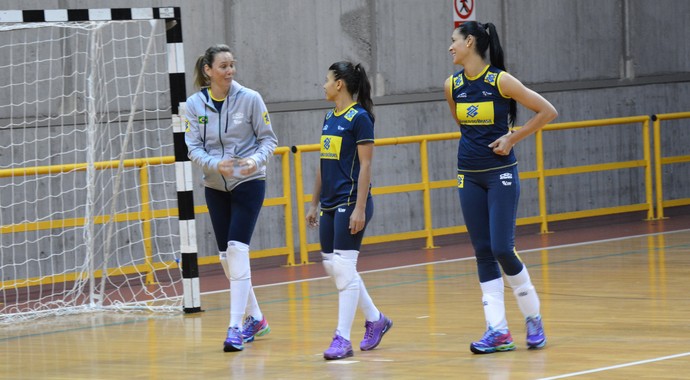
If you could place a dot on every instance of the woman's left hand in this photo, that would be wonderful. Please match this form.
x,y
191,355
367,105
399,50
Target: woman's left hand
x,y
357,221
248,166
502,145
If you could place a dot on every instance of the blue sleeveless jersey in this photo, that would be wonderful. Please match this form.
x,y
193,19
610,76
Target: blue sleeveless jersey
x,y
340,135
483,113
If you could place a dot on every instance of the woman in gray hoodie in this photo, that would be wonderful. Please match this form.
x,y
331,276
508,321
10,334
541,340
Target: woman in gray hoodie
x,y
229,135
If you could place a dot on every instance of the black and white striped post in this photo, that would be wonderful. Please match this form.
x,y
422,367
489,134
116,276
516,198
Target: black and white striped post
x,y
178,95
183,166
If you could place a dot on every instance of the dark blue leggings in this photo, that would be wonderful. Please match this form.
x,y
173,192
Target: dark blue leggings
x,y
334,231
489,205
234,213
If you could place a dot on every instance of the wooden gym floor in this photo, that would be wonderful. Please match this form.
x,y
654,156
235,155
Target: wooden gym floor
x,y
613,291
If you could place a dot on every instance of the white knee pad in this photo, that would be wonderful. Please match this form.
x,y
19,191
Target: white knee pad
x,y
223,256
238,261
327,263
345,268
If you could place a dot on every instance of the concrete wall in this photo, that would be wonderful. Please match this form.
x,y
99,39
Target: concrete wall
x,y
591,59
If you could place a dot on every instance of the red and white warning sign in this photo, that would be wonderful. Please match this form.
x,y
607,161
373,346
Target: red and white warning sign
x,y
463,10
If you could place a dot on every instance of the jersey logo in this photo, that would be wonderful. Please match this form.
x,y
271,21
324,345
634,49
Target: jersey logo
x,y
461,181
329,114
457,82
490,78
351,114
480,113
203,120
187,125
330,147
267,121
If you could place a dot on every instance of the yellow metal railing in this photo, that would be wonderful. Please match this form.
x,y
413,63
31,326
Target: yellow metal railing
x,y
425,186
542,173
285,200
145,215
659,161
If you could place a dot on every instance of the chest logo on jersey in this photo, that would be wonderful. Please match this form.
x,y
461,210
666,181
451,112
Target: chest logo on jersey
x,y
203,120
330,147
480,113
350,114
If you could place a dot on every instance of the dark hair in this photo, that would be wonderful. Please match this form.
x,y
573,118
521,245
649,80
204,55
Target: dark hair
x,y
200,77
356,82
487,38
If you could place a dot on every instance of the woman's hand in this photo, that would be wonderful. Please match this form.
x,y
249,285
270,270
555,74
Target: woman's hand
x,y
226,167
357,220
312,217
247,166
502,145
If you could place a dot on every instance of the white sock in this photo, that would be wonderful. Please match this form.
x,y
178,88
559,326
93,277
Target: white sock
x,y
253,304
347,306
494,305
239,294
371,313
526,295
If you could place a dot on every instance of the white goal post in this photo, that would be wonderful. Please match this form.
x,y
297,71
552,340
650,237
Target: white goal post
x,y
95,183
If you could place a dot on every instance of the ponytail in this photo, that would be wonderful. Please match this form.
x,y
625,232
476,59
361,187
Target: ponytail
x,y
356,83
487,39
364,90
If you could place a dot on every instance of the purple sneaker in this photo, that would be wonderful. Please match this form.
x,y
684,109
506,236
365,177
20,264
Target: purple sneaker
x,y
340,348
374,332
492,341
253,328
234,341
535,332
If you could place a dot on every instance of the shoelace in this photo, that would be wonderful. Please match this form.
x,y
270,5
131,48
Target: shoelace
x,y
489,335
369,329
532,327
249,324
339,342
233,332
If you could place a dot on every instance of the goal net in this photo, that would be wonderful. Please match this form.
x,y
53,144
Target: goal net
x,y
87,172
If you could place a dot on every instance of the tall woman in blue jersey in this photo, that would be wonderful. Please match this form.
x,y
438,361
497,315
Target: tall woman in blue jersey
x,y
342,186
482,98
229,135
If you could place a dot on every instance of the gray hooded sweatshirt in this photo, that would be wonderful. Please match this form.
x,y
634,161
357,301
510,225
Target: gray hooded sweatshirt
x,y
242,130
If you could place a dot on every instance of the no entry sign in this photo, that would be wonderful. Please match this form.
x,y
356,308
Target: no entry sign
x,y
463,10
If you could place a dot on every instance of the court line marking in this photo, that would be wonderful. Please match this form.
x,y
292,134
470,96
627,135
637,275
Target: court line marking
x,y
601,369
463,259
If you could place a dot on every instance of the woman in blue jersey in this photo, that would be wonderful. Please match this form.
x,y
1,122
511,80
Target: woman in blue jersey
x,y
482,99
229,135
342,186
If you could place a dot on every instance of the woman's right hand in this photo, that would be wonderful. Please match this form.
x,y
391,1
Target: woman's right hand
x,y
225,167
312,217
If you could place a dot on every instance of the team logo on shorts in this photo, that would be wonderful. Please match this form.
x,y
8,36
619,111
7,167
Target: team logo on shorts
x,y
461,181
